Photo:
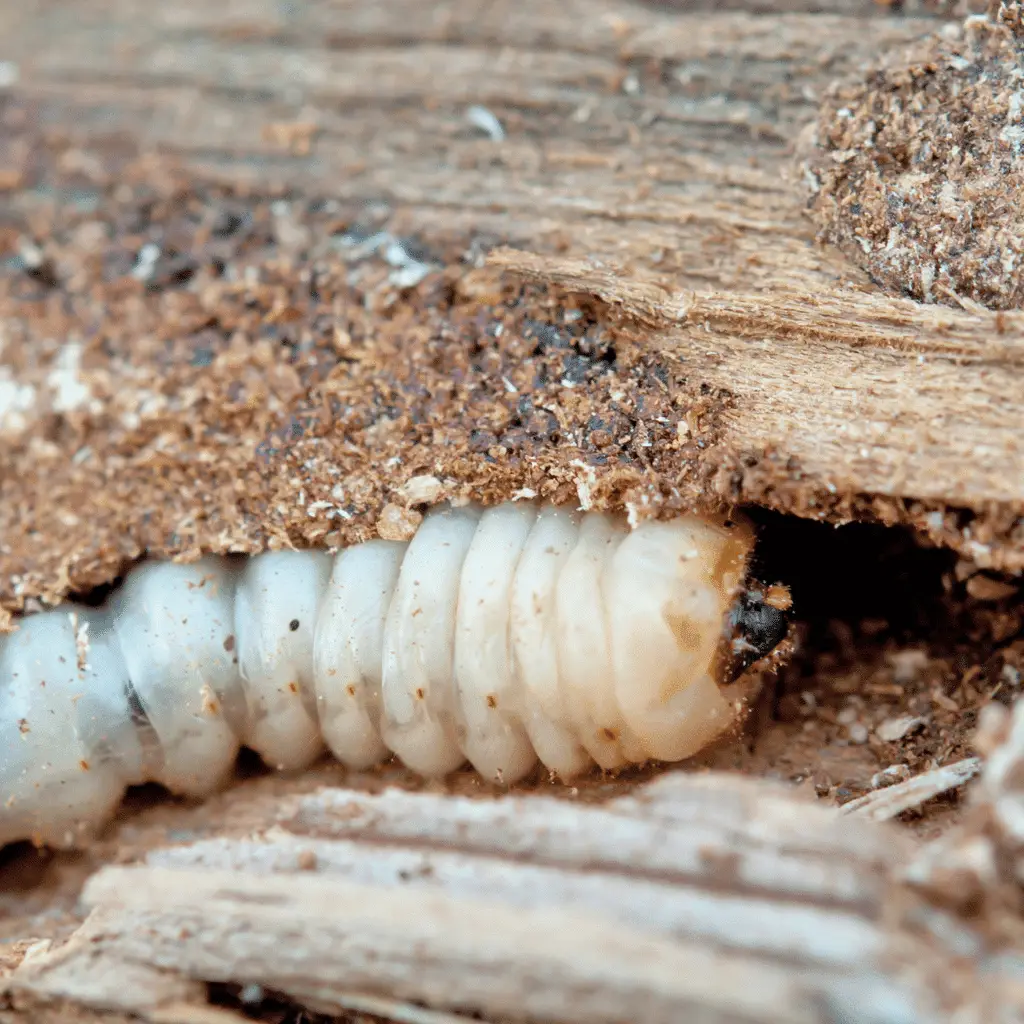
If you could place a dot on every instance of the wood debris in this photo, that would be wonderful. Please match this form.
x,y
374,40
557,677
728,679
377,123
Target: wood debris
x,y
708,895
887,803
978,867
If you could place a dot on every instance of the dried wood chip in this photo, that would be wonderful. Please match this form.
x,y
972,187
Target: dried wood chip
x,y
884,804
893,729
985,588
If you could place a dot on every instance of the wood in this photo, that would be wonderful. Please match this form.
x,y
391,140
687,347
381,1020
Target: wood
x,y
701,898
882,371
888,803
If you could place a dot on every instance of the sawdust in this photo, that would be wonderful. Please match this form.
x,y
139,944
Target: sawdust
x,y
917,175
234,374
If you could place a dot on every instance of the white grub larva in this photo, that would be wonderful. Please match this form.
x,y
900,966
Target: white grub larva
x,y
501,636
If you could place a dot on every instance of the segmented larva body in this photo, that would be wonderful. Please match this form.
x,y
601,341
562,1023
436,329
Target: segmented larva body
x,y
498,636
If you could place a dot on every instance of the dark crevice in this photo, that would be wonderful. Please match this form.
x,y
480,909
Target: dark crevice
x,y
857,573
867,597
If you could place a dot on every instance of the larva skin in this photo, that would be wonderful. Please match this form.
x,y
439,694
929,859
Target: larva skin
x,y
498,636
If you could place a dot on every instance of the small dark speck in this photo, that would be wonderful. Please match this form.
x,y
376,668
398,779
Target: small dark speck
x,y
293,625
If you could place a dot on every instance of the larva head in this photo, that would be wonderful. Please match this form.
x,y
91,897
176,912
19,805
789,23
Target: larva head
x,y
672,586
758,623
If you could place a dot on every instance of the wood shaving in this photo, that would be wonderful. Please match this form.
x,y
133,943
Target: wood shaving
x,y
885,804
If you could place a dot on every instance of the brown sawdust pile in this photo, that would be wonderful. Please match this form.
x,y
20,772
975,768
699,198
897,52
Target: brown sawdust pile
x,y
917,174
262,376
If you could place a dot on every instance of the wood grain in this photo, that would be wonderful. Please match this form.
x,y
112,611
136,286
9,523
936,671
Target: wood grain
x,y
708,898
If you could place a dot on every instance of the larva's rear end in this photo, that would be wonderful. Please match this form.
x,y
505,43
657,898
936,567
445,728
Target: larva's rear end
x,y
54,784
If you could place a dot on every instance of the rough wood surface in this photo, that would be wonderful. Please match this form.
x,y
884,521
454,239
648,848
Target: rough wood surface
x,y
221,383
712,898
